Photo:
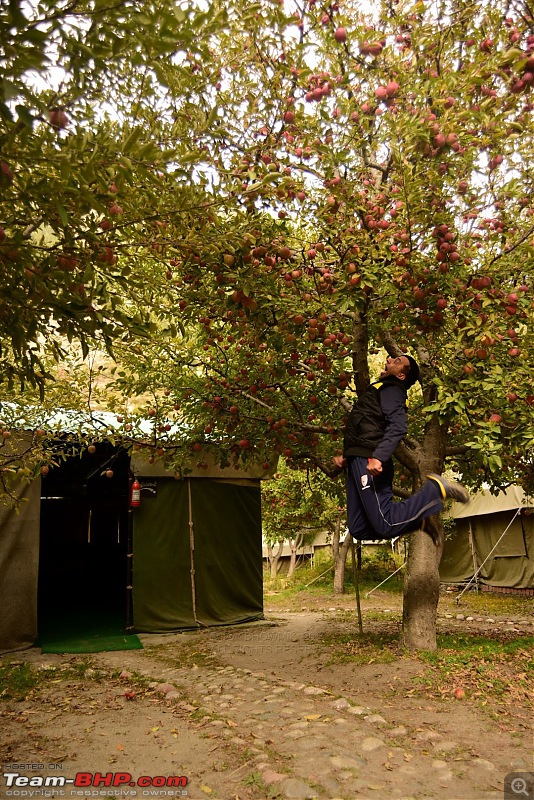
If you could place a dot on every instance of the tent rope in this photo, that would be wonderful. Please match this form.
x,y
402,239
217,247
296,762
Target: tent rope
x,y
385,580
457,598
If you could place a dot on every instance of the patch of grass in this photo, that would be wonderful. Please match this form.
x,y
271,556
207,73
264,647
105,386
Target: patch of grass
x,y
489,669
464,647
487,604
255,780
17,681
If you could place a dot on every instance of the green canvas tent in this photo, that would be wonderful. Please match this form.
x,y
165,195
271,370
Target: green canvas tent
x,y
492,541
197,549
77,556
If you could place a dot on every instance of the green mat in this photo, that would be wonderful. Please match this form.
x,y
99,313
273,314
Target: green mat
x,y
90,643
85,631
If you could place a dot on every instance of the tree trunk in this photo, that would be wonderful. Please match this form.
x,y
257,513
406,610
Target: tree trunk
x,y
340,558
294,545
274,558
421,593
425,547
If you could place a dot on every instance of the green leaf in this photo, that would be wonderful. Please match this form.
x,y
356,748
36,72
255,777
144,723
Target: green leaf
x,y
9,89
24,115
62,214
132,139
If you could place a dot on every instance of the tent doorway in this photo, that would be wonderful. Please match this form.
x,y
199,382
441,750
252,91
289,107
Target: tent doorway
x,y
83,552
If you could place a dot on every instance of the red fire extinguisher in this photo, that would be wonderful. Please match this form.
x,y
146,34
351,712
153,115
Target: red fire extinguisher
x,y
135,498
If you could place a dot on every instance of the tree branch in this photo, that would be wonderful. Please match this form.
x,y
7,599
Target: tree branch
x,y
457,450
360,364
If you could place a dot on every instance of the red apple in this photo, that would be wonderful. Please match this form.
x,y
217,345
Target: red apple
x,y
58,118
6,175
340,35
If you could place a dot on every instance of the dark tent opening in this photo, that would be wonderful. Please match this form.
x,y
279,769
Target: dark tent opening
x,y
83,549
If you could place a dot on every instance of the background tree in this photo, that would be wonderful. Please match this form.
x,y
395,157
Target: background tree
x,y
84,168
297,505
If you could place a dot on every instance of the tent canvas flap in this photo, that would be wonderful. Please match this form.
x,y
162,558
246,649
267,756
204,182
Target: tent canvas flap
x,y
19,568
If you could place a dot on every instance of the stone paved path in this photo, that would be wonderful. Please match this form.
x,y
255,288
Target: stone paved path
x,y
238,732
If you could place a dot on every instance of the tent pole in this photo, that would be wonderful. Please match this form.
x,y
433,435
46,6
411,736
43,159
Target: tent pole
x,y
192,552
473,553
129,562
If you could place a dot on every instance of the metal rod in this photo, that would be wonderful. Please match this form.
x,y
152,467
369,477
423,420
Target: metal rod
x,y
356,572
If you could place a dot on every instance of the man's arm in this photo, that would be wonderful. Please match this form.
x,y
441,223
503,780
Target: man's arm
x,y
393,402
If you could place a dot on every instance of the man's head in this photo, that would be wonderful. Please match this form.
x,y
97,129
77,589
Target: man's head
x,y
403,367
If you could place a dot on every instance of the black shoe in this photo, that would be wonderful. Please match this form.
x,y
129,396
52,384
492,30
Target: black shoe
x,y
450,489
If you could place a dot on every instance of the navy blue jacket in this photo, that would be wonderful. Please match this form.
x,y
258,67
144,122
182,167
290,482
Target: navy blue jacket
x,y
377,421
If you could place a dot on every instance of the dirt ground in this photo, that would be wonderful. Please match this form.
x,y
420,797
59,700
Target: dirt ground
x,y
292,706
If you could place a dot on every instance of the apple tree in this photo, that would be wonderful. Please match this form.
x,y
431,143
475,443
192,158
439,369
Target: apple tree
x,y
322,185
367,181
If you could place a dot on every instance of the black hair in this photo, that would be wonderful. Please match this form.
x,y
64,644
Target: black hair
x,y
412,376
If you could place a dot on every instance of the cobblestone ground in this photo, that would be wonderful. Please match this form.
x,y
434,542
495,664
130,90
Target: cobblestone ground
x,y
256,712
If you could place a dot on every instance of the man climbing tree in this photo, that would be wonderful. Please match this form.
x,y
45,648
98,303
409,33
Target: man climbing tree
x,y
375,427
